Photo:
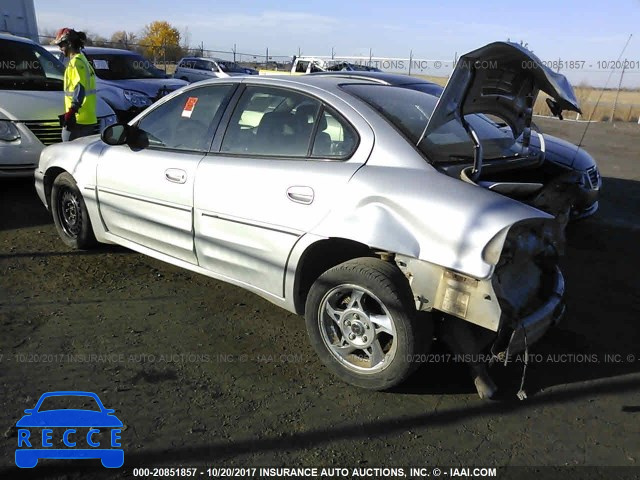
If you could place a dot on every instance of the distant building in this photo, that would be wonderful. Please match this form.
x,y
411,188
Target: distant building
x,y
18,17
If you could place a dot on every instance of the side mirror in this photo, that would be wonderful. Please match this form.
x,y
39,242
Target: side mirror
x,y
121,134
116,134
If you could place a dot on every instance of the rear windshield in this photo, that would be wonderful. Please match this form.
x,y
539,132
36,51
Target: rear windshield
x,y
113,66
26,66
409,110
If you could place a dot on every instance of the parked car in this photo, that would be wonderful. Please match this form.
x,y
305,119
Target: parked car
x,y
307,64
194,69
557,155
31,98
126,80
376,211
351,67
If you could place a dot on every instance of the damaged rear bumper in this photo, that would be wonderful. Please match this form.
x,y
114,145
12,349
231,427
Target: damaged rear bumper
x,y
535,325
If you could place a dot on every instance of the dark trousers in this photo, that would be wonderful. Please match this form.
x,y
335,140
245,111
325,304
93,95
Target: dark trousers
x,y
77,131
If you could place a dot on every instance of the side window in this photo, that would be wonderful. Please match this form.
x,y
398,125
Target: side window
x,y
315,67
301,67
271,121
183,123
334,138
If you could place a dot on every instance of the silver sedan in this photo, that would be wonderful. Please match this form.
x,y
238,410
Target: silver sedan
x,y
385,215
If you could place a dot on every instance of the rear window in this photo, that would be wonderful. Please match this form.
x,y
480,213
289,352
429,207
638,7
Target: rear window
x,y
409,110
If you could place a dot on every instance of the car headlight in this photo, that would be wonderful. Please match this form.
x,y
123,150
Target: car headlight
x,y
106,121
137,99
8,131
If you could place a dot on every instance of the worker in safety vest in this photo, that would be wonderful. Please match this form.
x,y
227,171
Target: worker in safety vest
x,y
79,119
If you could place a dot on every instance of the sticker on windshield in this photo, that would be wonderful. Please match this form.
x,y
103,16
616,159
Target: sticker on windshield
x,y
189,106
101,65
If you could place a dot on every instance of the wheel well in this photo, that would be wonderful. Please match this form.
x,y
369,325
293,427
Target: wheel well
x,y
49,177
320,257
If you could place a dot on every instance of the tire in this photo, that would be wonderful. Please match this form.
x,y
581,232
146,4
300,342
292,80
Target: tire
x,y
70,214
362,322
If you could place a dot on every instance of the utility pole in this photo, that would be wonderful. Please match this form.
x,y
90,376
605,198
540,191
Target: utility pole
x,y
410,60
234,53
615,102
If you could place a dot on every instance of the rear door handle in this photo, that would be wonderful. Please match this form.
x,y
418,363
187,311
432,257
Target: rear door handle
x,y
175,175
302,195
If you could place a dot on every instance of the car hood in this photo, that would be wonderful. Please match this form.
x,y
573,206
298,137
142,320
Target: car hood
x,y
148,86
69,418
23,105
497,79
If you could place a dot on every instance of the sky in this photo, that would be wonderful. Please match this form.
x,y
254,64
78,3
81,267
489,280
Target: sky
x,y
589,33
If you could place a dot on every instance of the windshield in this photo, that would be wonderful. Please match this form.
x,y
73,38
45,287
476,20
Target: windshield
x,y
116,66
409,111
26,66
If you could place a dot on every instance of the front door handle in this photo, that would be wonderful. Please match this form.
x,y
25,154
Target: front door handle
x,y
302,195
175,175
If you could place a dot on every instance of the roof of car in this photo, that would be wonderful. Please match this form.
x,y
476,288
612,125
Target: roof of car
x,y
380,77
15,38
329,82
105,50
203,58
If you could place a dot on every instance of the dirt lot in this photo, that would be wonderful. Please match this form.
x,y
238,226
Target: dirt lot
x,y
203,373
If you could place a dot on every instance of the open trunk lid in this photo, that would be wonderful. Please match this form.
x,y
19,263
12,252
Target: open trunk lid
x,y
501,79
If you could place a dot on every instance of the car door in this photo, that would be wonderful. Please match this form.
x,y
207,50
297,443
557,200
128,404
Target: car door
x,y
274,178
146,194
203,70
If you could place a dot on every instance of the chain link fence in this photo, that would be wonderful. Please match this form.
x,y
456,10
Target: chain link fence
x,y
620,101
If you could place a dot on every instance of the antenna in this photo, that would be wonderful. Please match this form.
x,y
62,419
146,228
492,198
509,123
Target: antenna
x,y
601,93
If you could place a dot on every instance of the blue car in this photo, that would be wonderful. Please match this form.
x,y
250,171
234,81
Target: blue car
x,y
32,447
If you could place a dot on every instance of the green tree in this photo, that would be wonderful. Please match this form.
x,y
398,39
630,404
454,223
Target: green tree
x,y
161,41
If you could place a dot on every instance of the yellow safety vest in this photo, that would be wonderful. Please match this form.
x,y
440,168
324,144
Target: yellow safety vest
x,y
79,70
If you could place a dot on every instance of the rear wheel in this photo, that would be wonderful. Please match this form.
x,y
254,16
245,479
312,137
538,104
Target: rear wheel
x,y
70,213
362,322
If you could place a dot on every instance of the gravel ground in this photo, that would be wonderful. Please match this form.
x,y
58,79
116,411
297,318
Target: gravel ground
x,y
203,373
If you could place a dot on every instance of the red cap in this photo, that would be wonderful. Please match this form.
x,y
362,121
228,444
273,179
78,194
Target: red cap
x,y
62,35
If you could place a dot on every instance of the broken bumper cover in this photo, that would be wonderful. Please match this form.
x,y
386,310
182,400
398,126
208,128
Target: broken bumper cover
x,y
535,325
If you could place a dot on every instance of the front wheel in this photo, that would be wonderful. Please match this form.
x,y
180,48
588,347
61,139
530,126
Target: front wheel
x,y
362,322
70,213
